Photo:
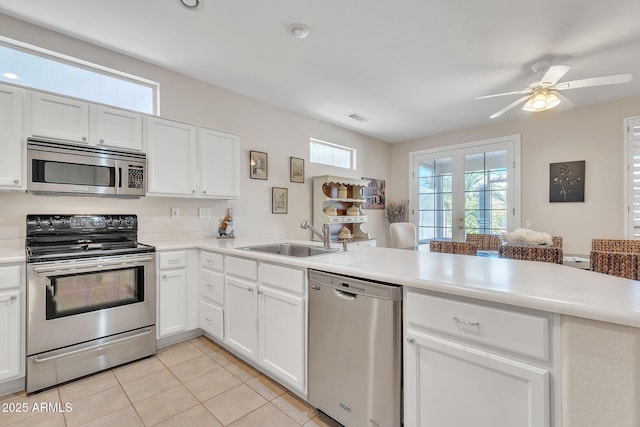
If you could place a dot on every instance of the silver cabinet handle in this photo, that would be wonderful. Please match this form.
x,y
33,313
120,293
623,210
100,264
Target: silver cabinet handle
x,y
170,276
208,320
465,322
173,261
204,191
251,290
16,181
208,285
101,140
84,138
411,340
260,292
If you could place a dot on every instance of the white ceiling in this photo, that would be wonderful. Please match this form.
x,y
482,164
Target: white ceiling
x,y
413,66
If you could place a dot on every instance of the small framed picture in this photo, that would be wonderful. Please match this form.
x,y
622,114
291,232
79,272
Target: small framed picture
x,y
296,169
279,200
258,165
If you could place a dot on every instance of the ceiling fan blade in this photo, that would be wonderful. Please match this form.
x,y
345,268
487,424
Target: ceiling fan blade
x,y
595,81
554,74
515,92
509,107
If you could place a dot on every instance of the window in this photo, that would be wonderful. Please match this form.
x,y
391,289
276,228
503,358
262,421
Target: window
x,y
39,69
468,188
632,177
330,154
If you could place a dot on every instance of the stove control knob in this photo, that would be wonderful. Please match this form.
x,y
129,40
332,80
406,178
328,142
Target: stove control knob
x,y
129,221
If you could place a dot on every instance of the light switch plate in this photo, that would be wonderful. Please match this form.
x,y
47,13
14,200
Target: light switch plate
x,y
175,213
204,212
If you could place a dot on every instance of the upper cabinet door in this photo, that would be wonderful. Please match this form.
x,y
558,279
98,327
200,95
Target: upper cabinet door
x,y
219,164
11,171
117,128
58,117
171,157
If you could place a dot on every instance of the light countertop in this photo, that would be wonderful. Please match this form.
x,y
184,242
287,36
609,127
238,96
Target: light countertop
x,y
538,285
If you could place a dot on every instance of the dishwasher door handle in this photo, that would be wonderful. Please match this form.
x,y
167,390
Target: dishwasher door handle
x,y
345,295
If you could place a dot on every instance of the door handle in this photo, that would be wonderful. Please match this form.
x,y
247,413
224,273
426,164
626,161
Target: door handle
x,y
345,295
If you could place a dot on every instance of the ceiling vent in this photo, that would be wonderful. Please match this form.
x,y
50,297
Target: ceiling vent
x,y
359,117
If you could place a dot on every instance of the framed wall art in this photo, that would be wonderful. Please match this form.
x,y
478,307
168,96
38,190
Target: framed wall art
x,y
258,165
374,193
279,200
296,169
566,181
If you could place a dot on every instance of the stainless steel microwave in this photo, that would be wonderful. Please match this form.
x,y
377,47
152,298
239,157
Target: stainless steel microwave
x,y
65,168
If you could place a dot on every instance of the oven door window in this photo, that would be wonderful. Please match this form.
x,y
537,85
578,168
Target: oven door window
x,y
52,172
80,293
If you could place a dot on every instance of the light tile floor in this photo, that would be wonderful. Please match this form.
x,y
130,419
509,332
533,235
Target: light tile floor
x,y
193,383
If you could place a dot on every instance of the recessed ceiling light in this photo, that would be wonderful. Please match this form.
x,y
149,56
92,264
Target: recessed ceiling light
x,y
190,3
299,31
11,76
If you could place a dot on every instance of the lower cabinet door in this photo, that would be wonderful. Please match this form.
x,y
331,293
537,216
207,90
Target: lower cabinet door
x,y
10,353
282,329
241,317
172,314
450,384
211,319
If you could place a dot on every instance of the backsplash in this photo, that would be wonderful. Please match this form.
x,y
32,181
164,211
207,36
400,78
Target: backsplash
x,y
154,214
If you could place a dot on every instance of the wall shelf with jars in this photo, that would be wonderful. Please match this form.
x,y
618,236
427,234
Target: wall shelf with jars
x,y
338,202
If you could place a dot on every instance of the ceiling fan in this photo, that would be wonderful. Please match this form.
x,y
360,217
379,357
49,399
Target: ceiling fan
x,y
542,94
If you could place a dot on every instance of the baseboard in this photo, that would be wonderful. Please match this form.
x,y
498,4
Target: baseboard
x,y
13,386
179,337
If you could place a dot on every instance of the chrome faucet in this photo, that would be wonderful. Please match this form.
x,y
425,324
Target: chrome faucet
x,y
326,232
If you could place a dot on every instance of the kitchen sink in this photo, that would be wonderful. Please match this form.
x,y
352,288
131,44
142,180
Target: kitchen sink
x,y
291,249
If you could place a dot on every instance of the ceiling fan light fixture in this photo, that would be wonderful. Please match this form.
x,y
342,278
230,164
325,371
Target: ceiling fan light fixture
x,y
541,100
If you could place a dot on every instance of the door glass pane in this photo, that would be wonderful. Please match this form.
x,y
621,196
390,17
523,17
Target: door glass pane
x,y
435,197
485,183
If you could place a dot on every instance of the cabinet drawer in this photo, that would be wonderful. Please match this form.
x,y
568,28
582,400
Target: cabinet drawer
x,y
521,333
172,259
10,277
212,286
289,279
211,319
241,267
212,261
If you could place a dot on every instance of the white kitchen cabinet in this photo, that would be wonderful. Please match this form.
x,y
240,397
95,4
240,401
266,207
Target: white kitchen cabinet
x,y
470,364
59,117
187,161
211,280
177,292
11,161
282,333
266,317
171,157
219,164
113,127
241,316
74,120
12,328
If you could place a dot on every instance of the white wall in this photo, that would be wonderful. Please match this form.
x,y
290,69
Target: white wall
x,y
261,126
593,133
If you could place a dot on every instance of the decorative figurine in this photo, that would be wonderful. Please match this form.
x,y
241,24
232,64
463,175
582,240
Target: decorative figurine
x,y
226,228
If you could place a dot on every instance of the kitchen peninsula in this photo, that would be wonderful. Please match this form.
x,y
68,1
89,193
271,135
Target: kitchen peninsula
x,y
596,318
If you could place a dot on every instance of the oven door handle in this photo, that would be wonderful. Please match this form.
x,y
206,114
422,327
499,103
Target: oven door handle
x,y
94,265
39,359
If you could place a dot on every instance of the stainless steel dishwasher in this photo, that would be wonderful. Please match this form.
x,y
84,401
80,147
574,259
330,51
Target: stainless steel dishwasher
x,y
355,351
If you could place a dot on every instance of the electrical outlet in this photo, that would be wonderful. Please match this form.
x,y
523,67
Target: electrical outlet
x,y
175,213
204,212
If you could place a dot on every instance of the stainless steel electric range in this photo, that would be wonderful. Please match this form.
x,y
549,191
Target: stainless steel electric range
x,y
91,296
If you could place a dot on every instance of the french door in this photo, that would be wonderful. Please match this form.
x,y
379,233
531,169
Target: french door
x,y
466,188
